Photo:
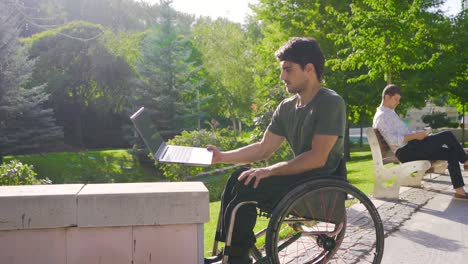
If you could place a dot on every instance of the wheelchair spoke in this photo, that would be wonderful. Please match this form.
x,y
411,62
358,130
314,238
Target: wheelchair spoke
x,y
289,241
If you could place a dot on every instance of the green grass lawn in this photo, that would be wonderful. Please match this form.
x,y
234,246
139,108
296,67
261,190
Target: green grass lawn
x,y
98,166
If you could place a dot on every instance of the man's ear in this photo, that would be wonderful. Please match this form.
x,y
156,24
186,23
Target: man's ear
x,y
309,67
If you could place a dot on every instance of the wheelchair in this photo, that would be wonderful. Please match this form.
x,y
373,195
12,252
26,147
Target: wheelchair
x,y
322,220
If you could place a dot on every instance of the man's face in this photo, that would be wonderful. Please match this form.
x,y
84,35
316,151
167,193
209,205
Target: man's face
x,y
294,78
393,100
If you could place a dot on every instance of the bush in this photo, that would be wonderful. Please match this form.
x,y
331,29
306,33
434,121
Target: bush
x,y
454,125
436,120
223,139
17,173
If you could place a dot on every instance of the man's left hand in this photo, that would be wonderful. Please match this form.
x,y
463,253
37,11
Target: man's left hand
x,y
256,175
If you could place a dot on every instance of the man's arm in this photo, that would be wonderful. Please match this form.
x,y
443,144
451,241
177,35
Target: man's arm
x,y
315,158
312,159
419,135
251,153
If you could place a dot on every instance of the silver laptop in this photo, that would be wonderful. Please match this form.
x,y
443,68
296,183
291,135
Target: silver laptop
x,y
163,152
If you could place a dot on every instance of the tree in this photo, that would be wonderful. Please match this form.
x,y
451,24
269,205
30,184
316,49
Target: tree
x,y
37,15
117,15
80,72
169,76
228,59
27,125
386,37
458,61
25,122
391,42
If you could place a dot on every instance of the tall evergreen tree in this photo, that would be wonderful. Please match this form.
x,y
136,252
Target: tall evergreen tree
x,y
25,123
168,75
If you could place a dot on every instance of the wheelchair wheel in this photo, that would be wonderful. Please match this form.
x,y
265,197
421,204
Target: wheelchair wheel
x,y
325,221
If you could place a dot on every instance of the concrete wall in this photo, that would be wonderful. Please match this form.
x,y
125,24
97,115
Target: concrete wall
x,y
103,223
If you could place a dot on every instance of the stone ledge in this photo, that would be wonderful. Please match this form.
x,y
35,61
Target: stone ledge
x,y
143,204
95,205
38,206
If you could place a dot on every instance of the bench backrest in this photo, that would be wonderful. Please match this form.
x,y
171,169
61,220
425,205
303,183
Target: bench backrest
x,y
381,152
387,154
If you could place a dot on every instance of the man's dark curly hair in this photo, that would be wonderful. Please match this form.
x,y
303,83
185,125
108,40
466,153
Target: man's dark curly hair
x,y
302,51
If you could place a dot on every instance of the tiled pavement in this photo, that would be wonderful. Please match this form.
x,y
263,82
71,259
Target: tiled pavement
x,y
426,225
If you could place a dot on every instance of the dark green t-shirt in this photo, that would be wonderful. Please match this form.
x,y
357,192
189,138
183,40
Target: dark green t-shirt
x,y
324,115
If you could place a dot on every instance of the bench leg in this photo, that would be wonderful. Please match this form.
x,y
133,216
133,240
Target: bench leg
x,y
389,189
440,166
414,180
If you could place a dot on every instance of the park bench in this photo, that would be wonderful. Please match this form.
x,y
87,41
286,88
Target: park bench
x,y
388,179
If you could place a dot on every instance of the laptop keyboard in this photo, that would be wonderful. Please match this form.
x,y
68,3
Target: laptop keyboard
x,y
178,153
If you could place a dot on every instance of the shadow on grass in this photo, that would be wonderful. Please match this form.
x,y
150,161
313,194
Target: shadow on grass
x,y
357,180
358,158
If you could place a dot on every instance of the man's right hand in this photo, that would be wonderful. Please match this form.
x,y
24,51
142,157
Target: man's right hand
x,y
420,135
216,154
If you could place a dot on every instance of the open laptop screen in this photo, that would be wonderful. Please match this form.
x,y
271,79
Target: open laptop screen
x,y
167,153
147,129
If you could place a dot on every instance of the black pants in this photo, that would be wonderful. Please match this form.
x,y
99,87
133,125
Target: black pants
x,y
440,146
267,195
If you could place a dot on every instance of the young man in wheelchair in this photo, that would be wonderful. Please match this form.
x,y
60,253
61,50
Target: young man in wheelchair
x,y
313,123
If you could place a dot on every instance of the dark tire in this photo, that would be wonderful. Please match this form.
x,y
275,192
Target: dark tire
x,y
325,221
